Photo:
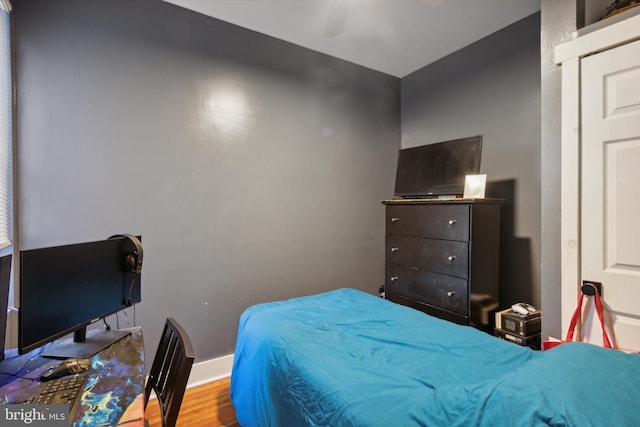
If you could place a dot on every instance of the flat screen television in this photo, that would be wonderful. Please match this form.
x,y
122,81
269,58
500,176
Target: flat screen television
x,y
436,170
5,277
63,289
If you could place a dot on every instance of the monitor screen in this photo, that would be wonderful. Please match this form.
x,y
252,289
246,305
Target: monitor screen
x,y
437,169
5,276
65,288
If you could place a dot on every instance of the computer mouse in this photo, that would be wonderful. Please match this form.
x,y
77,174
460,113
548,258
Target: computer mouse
x,y
68,367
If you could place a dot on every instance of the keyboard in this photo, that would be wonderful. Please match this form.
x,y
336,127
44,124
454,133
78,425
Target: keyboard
x,y
65,390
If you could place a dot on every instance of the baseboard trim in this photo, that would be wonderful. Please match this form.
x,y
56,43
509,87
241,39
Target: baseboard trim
x,y
210,370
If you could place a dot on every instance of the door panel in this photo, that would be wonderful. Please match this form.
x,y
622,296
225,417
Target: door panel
x,y
610,188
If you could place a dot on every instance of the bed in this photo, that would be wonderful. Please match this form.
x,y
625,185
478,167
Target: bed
x,y
348,358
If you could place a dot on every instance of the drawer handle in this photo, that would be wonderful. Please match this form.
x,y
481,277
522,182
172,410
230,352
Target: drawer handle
x,y
451,258
452,221
394,220
394,250
451,293
394,278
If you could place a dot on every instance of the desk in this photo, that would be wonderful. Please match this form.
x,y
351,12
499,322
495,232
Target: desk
x,y
114,394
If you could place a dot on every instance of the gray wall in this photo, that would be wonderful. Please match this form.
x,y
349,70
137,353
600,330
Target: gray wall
x,y
492,88
253,168
558,19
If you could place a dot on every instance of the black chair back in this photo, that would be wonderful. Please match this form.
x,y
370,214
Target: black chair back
x,y
170,371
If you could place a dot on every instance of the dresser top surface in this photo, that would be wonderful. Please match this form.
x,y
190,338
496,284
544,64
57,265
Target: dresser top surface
x,y
435,201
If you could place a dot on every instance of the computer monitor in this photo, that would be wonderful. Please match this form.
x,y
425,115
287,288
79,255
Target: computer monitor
x,y
63,289
5,276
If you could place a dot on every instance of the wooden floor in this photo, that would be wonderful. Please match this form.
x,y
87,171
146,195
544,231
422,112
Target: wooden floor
x,y
208,405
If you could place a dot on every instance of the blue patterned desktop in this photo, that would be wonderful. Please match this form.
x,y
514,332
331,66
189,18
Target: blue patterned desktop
x,y
113,395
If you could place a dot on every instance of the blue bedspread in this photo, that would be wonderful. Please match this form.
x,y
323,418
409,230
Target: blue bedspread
x,y
347,358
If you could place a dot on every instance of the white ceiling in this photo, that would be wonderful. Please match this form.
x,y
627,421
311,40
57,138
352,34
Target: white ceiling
x,y
395,37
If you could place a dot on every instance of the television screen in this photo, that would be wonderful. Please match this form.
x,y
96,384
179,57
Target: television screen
x,y
5,277
437,169
65,288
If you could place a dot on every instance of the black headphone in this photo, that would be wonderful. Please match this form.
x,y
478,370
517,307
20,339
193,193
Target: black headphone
x,y
132,260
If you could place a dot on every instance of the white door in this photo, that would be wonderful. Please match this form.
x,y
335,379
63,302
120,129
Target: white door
x,y
610,186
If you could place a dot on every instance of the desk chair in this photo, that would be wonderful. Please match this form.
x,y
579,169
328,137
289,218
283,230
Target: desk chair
x,y
170,371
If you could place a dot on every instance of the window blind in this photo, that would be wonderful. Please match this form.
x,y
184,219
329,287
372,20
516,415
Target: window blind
x,y
5,127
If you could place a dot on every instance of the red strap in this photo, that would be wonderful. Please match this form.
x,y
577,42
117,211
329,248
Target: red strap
x,y
600,311
576,316
574,319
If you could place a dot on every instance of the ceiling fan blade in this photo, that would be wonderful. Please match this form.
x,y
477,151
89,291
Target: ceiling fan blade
x,y
337,18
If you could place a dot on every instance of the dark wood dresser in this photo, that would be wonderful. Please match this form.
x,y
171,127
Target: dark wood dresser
x,y
442,257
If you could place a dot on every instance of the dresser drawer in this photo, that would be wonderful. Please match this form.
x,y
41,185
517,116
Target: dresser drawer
x,y
429,309
446,292
440,256
447,222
